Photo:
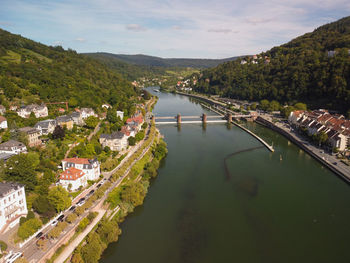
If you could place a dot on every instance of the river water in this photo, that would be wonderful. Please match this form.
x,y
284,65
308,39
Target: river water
x,y
211,205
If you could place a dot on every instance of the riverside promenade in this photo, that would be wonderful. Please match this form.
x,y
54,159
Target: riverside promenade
x,y
331,162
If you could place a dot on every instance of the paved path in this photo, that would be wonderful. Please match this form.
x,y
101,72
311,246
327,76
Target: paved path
x,y
69,249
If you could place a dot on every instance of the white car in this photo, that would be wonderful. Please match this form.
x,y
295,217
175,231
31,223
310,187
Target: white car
x,y
54,223
10,258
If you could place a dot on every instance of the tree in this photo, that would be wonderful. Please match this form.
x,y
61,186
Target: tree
x,y
140,135
59,198
132,140
58,133
92,251
79,210
41,243
91,122
300,106
112,115
76,258
20,169
108,231
28,228
264,105
71,218
83,224
42,206
253,106
133,194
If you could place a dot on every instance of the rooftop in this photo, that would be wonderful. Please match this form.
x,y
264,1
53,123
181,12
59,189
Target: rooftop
x,y
7,187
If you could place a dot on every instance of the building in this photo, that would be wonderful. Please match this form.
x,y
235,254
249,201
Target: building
x,y
6,156
117,141
13,146
87,112
32,135
136,120
120,114
77,118
72,179
3,122
2,109
129,130
13,204
40,111
91,167
65,121
45,127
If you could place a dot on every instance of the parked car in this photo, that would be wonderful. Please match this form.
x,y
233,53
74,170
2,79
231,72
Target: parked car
x,y
60,218
12,257
99,185
72,208
54,223
39,234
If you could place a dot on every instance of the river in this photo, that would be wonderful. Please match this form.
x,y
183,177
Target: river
x,y
210,205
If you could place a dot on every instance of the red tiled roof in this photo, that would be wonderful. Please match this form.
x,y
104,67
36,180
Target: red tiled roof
x,y
71,174
2,118
138,119
77,160
125,130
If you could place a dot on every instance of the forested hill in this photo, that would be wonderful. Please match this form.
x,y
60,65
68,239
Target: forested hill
x,y
313,68
145,60
31,72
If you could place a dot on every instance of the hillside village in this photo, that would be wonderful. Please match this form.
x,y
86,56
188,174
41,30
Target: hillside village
x,y
65,154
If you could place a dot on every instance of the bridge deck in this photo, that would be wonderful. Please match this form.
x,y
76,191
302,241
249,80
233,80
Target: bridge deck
x,y
188,122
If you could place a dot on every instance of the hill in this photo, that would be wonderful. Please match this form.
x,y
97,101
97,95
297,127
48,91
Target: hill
x,y
313,68
152,61
31,72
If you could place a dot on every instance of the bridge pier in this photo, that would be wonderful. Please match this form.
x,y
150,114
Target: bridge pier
x,y
229,117
178,118
204,118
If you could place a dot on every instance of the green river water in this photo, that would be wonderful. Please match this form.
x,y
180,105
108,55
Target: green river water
x,y
259,209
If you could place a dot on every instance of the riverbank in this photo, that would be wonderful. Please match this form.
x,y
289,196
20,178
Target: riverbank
x,y
311,150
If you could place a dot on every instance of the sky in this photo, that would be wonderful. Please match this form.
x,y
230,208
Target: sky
x,y
177,28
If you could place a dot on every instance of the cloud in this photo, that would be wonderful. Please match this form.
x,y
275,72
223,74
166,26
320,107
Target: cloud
x,y
222,30
255,21
80,39
135,27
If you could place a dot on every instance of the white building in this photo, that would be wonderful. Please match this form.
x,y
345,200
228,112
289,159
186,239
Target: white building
x,y
13,146
90,167
87,112
3,122
45,127
117,141
13,204
40,111
120,114
72,179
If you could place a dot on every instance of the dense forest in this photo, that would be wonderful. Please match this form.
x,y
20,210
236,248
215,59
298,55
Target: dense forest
x,y
31,72
157,62
313,68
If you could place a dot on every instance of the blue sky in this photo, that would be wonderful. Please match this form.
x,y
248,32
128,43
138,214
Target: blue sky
x,y
178,28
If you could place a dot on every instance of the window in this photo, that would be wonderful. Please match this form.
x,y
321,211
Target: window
x,y
14,196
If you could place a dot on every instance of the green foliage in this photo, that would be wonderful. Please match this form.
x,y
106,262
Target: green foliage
x,y
139,136
42,206
28,228
132,141
3,245
83,224
91,122
92,251
161,150
58,133
20,169
71,218
53,74
300,70
59,198
134,194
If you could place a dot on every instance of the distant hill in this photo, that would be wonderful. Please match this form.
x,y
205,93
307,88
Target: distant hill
x,y
145,60
31,72
313,68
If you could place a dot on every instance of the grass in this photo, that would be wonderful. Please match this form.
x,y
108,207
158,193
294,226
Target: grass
x,y
12,57
34,54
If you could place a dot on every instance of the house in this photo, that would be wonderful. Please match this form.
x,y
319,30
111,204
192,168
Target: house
x,y
3,122
137,121
65,121
6,156
106,106
61,110
13,204
91,167
117,141
13,146
77,118
87,112
129,130
72,179
40,111
13,108
45,127
32,135
2,109
120,114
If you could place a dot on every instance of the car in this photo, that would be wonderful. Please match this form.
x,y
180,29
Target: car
x,y
81,199
10,258
99,185
54,223
72,208
335,163
39,234
60,218
91,192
